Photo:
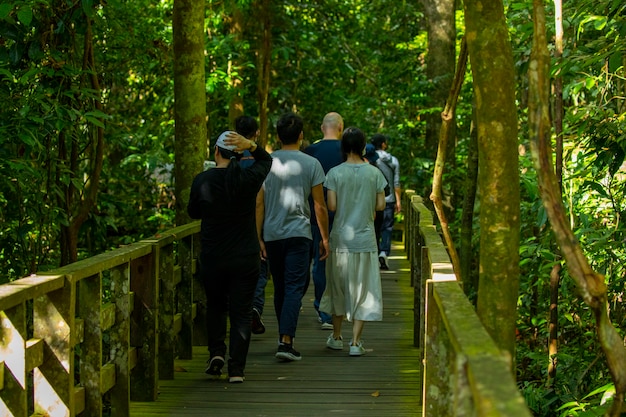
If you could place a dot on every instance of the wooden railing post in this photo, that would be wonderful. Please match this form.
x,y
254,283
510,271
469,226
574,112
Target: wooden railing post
x,y
185,296
90,363
54,321
167,309
119,341
13,354
144,328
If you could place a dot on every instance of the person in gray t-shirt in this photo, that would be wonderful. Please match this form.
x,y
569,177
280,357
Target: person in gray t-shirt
x,y
285,214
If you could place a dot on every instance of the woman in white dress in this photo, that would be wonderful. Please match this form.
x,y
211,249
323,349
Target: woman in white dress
x,y
353,288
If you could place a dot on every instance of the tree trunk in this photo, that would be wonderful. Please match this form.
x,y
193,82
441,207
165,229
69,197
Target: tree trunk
x,y
591,284
445,136
470,282
555,275
439,16
235,67
491,59
79,203
190,146
264,67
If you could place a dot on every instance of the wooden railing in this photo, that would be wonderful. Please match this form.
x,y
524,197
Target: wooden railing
x,y
87,338
464,373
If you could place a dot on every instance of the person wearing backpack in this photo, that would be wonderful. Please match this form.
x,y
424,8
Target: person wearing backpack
x,y
390,168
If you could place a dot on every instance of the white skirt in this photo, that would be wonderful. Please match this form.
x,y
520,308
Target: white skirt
x,y
353,286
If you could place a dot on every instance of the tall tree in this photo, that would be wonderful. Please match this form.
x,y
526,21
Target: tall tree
x,y
439,16
235,64
80,201
555,274
493,74
264,62
190,100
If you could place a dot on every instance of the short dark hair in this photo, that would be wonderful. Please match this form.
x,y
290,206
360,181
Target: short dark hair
x,y
289,127
246,126
352,141
378,139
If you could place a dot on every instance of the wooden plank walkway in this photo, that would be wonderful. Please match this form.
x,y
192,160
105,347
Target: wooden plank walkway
x,y
384,382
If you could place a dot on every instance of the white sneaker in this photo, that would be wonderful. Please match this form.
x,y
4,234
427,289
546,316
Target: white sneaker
x,y
335,344
357,350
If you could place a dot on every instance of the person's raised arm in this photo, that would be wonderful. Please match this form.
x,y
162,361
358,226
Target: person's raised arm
x,y
321,213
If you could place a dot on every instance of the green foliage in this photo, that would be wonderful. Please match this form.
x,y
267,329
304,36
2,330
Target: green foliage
x,y
593,189
48,125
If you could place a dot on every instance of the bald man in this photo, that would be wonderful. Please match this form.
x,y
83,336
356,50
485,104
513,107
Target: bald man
x,y
328,151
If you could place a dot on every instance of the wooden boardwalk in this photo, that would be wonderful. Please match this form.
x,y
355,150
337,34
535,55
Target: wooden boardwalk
x,y
384,382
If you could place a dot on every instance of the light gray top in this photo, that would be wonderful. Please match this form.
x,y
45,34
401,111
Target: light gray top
x,y
287,190
356,186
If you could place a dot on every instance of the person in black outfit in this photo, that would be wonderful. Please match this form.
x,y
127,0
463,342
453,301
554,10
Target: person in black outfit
x,y
248,127
224,197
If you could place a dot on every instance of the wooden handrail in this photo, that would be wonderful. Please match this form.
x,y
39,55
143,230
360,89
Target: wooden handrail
x,y
99,332
464,373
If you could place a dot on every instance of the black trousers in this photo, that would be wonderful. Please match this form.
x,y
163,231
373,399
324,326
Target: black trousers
x,y
230,285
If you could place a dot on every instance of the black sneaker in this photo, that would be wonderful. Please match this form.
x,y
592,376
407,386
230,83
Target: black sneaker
x,y
382,259
214,367
257,324
286,352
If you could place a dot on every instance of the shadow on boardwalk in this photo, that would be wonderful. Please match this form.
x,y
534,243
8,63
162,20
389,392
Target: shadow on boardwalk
x,y
384,382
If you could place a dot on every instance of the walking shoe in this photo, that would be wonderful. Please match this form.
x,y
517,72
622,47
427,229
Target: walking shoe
x,y
257,324
382,259
236,379
357,350
214,367
335,344
327,326
286,352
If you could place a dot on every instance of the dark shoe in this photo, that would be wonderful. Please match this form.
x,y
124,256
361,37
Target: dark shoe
x,y
236,379
382,259
286,352
214,368
257,324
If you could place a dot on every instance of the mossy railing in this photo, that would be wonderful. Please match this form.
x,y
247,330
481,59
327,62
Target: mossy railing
x,y
87,338
464,373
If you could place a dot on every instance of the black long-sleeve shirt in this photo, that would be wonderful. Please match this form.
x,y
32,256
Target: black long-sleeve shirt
x,y
228,227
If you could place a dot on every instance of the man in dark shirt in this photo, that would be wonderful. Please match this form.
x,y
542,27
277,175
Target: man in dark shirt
x,y
328,151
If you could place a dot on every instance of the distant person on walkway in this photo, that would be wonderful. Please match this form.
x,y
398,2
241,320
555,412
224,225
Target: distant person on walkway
x,y
328,151
390,167
249,128
356,190
372,157
287,238
224,198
